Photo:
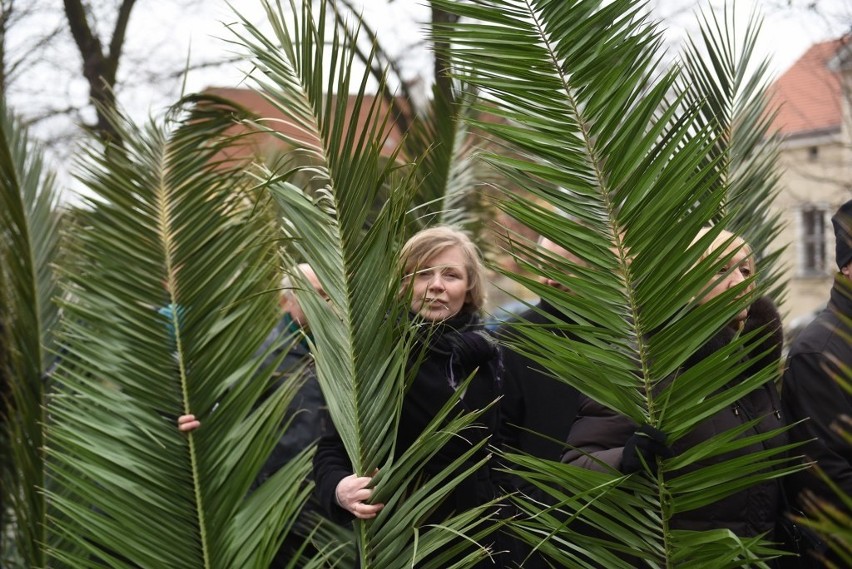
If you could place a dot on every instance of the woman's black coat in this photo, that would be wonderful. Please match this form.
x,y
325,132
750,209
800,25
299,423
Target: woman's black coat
x,y
453,350
602,433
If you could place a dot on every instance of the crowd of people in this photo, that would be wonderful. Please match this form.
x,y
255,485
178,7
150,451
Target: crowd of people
x,y
444,282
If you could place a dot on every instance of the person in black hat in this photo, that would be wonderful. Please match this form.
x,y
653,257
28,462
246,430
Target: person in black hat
x,y
819,357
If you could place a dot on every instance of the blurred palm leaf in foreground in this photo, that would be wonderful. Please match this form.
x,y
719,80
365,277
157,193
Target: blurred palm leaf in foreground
x,y
171,290
29,246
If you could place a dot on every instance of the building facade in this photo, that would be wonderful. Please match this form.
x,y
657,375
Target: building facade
x,y
816,152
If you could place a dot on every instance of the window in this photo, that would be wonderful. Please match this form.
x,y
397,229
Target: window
x,y
813,153
812,224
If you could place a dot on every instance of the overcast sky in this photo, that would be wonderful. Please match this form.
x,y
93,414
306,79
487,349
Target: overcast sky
x,y
163,33
790,27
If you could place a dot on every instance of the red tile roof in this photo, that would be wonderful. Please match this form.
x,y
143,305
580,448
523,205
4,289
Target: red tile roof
x,y
808,93
264,143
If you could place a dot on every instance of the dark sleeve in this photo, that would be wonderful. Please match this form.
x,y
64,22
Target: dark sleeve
x,y
512,404
809,392
304,428
597,437
331,465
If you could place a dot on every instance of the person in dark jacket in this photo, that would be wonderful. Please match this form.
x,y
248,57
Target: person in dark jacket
x,y
624,446
304,410
536,411
445,280
821,354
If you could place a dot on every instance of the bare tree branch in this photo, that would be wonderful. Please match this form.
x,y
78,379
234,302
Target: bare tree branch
x,y
99,69
14,69
401,115
119,34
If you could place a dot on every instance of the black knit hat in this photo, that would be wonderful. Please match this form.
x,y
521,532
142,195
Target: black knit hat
x,y
842,222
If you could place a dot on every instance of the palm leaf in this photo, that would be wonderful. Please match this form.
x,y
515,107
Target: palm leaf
x,y
721,79
831,521
360,339
449,178
436,137
29,242
627,178
169,299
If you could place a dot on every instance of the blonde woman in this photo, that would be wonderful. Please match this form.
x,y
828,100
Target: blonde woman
x,y
599,434
444,280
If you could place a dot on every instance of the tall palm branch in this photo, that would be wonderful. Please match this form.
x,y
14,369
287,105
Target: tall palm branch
x,y
627,184
436,134
450,179
171,290
360,339
29,244
720,79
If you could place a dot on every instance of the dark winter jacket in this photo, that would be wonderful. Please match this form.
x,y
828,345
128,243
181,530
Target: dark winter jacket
x,y
454,349
810,392
536,413
304,416
602,433
305,409
536,410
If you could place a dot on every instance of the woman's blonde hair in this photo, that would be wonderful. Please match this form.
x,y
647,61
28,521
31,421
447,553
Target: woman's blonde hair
x,y
425,245
725,244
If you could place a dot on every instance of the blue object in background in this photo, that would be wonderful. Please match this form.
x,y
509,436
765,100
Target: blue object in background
x,y
168,312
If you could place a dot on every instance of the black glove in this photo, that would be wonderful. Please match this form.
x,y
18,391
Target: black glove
x,y
644,446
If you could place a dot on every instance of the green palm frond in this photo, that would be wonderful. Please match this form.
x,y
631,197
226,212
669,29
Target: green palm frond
x,y
360,338
610,505
628,178
335,545
29,245
436,137
171,293
721,79
831,521
449,177
326,226
371,54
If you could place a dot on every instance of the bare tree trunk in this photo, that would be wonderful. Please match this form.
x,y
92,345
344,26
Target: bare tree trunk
x,y
442,63
99,68
7,8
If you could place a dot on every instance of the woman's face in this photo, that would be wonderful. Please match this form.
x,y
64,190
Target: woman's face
x,y
439,289
741,271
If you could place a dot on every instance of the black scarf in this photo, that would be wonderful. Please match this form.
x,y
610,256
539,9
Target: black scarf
x,y
463,339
